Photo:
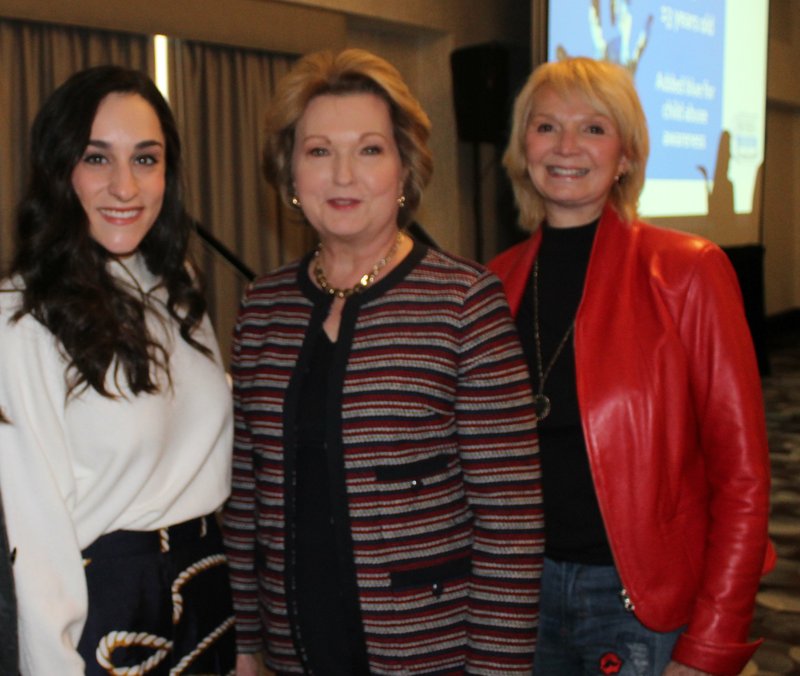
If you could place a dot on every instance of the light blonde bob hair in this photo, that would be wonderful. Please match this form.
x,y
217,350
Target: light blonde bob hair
x,y
351,71
608,88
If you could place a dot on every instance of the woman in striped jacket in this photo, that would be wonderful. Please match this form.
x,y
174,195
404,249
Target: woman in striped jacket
x,y
385,515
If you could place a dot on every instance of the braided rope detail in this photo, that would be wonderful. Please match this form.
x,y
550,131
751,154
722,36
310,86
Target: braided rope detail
x,y
163,539
177,670
195,569
115,639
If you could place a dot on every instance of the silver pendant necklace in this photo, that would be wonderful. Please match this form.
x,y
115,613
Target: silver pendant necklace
x,y
541,402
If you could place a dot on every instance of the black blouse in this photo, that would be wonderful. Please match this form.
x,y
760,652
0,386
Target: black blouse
x,y
574,529
327,615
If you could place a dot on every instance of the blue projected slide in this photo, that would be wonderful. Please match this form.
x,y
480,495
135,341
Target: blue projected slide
x,y
700,69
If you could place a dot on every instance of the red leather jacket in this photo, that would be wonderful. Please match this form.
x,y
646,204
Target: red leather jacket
x,y
672,413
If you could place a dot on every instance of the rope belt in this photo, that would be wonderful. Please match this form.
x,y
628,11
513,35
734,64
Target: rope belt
x,y
132,542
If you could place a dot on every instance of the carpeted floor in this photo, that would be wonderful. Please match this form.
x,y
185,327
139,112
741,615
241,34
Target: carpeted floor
x,y
777,617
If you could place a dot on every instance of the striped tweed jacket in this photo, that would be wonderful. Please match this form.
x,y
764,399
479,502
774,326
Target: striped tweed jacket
x,y
437,436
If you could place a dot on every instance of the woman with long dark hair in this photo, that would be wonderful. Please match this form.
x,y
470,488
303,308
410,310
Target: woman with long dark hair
x,y
117,449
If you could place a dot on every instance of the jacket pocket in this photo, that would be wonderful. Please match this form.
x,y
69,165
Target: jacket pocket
x,y
435,577
411,471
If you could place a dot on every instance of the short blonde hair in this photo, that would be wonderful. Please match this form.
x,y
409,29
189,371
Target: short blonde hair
x,y
609,88
351,71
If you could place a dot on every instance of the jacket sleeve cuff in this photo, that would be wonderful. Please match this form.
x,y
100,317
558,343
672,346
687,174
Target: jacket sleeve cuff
x,y
721,659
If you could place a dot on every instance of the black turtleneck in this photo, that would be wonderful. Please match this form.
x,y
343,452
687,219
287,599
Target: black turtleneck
x,y
573,526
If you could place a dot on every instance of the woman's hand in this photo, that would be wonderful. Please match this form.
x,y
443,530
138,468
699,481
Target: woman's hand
x,y
247,665
675,669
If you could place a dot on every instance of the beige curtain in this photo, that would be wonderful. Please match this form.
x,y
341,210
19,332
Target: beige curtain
x,y
219,96
34,59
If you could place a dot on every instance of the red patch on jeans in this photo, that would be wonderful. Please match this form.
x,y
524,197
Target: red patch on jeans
x,y
610,663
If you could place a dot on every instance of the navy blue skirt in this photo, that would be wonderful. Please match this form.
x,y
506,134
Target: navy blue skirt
x,y
159,603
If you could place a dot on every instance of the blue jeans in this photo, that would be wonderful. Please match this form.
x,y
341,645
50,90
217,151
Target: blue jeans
x,y
584,629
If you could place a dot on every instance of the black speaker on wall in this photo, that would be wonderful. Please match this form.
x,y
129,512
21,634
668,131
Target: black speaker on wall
x,y
486,78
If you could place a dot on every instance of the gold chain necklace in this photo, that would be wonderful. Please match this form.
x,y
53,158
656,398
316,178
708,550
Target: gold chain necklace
x,y
541,402
366,279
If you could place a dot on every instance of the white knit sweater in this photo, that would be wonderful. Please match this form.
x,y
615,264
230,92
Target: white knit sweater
x,y
74,469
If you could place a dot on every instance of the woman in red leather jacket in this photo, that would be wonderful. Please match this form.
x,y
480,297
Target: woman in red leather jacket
x,y
651,423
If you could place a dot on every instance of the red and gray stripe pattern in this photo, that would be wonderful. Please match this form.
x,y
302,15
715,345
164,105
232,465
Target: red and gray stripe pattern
x,y
440,464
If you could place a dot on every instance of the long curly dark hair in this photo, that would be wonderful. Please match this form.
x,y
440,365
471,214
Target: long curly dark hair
x,y
67,285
